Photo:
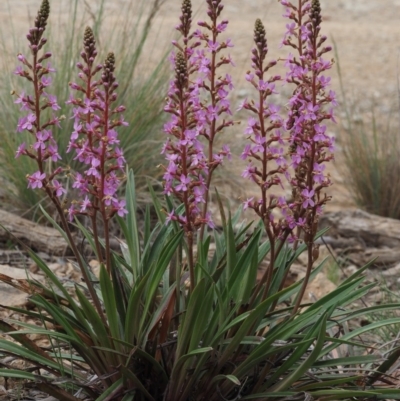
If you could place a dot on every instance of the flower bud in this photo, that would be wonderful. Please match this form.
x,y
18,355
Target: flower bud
x,y
260,38
315,13
89,44
181,73
186,18
35,34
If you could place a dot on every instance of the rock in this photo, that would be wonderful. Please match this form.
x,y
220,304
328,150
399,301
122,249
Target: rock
x,y
316,289
351,269
392,272
319,287
370,230
34,235
10,296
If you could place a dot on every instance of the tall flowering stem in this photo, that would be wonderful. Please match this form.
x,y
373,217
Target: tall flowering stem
x,y
197,101
310,105
44,149
265,152
95,141
216,113
303,132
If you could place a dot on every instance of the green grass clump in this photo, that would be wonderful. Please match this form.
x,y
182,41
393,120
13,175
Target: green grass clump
x,y
142,86
371,150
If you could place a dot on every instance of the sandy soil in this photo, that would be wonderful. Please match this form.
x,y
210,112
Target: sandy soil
x,y
366,33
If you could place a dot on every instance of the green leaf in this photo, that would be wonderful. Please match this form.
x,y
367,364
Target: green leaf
x,y
383,368
177,369
110,390
107,290
241,268
388,394
157,204
127,373
348,360
230,248
132,232
279,394
333,394
135,310
293,360
361,330
147,231
330,383
157,273
186,331
19,374
232,378
22,352
88,236
99,334
287,381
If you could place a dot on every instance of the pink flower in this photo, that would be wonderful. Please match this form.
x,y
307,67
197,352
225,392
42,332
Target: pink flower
x,y
222,26
72,212
119,206
36,180
248,203
28,122
170,217
21,150
307,196
184,182
59,190
53,102
19,71
213,46
23,101
46,81
85,204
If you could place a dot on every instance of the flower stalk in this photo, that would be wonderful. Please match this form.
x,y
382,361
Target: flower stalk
x,y
94,139
197,101
302,132
45,148
310,146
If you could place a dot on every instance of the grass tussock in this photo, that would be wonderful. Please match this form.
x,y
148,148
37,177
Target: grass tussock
x,y
371,150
